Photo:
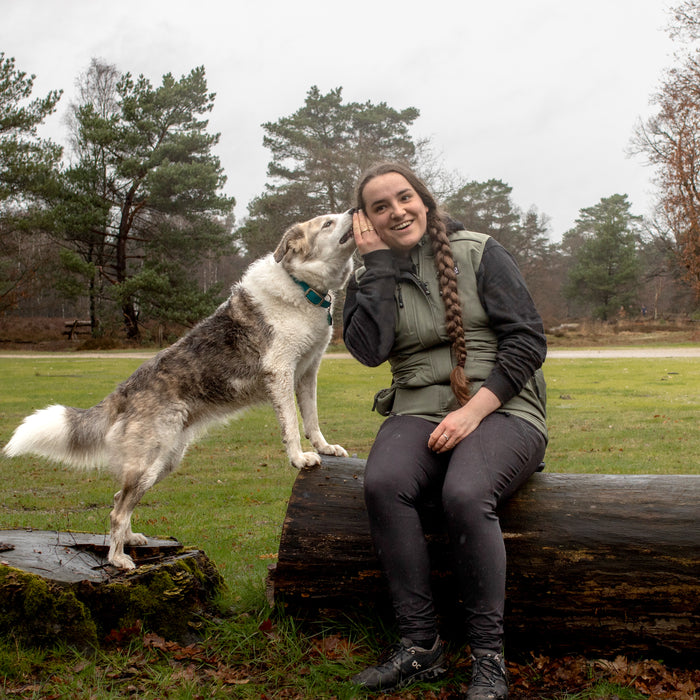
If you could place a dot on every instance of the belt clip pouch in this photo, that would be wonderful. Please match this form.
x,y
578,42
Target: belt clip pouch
x,y
384,401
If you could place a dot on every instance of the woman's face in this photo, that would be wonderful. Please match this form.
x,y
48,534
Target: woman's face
x,y
396,211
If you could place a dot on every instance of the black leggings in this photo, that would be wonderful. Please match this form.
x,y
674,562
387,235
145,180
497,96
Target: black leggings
x,y
480,473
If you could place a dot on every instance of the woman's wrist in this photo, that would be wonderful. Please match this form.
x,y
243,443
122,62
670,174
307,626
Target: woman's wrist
x,y
483,403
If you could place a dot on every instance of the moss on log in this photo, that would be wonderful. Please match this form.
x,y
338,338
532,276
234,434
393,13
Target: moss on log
x,y
57,586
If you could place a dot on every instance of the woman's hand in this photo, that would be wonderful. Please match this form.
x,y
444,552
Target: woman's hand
x,y
366,238
457,425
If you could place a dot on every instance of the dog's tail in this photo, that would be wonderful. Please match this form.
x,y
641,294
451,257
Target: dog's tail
x,y
72,435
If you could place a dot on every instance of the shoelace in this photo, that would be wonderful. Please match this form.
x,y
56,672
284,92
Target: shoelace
x,y
395,655
390,653
389,656
487,670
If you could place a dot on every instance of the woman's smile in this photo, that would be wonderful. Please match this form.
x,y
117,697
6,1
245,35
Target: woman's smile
x,y
396,211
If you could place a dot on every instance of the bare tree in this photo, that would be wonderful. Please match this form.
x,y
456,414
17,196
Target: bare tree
x,y
670,140
92,248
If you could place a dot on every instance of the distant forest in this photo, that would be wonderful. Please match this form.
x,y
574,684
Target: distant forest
x,y
126,223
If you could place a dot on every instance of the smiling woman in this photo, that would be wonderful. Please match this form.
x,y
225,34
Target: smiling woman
x,y
449,310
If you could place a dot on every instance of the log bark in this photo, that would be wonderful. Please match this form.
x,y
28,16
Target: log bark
x,y
58,586
596,563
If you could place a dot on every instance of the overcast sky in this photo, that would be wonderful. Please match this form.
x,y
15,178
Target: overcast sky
x,y
542,94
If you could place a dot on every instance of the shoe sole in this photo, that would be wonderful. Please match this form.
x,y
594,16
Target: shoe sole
x,y
430,674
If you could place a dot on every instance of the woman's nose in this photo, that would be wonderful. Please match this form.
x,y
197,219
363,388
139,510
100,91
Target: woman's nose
x,y
397,209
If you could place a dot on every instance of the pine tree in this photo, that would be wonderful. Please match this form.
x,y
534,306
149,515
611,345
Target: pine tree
x,y
318,154
606,268
29,169
150,187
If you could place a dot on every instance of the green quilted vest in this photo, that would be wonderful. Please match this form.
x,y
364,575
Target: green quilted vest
x,y
421,359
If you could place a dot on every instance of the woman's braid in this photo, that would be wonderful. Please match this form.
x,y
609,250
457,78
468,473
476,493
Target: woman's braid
x,y
447,278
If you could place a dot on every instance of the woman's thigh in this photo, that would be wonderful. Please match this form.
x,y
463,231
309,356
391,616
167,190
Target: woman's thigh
x,y
400,462
494,461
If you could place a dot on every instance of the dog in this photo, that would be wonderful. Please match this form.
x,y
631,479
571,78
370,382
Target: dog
x,y
265,343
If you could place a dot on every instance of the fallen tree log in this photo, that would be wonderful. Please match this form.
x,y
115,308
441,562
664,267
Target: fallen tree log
x,y
58,586
596,563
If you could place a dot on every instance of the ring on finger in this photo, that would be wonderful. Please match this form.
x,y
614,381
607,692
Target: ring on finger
x,y
445,436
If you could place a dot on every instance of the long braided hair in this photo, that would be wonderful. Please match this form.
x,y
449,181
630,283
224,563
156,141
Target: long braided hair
x,y
444,264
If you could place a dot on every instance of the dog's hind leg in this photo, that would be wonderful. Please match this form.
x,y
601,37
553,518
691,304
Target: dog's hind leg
x,y
120,518
120,525
308,407
142,464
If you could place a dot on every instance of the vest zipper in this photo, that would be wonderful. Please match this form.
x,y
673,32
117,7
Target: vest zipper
x,y
419,280
412,277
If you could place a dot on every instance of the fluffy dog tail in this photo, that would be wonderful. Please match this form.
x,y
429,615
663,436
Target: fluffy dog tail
x,y
71,435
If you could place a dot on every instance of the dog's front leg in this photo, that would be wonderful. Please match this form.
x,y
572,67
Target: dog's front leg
x,y
280,386
308,406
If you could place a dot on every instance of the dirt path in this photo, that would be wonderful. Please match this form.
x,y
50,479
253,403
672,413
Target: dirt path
x,y
612,353
602,353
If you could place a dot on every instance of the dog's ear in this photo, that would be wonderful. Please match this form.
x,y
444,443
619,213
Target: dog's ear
x,y
292,240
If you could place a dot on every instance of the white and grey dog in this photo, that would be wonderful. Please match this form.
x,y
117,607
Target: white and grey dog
x,y
265,343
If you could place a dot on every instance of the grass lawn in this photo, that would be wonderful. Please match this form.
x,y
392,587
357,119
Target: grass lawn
x,y
624,416
229,499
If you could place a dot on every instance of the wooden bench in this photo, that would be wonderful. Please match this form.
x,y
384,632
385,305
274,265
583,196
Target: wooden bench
x,y
76,327
597,563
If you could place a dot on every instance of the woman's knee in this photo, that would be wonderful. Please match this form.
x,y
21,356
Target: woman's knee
x,y
379,486
467,503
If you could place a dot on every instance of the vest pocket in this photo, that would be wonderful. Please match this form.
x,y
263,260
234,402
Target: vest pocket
x,y
384,401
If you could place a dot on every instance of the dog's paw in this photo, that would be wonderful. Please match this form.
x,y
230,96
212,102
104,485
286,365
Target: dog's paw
x,y
122,561
336,450
306,459
136,539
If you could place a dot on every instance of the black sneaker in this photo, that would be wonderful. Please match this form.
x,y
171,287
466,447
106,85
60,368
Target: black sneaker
x,y
489,677
405,664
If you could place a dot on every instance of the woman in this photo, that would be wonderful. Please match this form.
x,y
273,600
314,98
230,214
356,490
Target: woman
x,y
466,413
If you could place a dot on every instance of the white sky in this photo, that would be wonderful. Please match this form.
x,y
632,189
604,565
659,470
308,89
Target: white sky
x,y
542,94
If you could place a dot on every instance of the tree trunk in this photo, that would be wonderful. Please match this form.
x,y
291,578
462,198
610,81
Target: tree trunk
x,y
131,321
58,587
596,563
128,212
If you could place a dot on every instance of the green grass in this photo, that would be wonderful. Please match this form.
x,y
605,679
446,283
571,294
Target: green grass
x,y
229,498
629,416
